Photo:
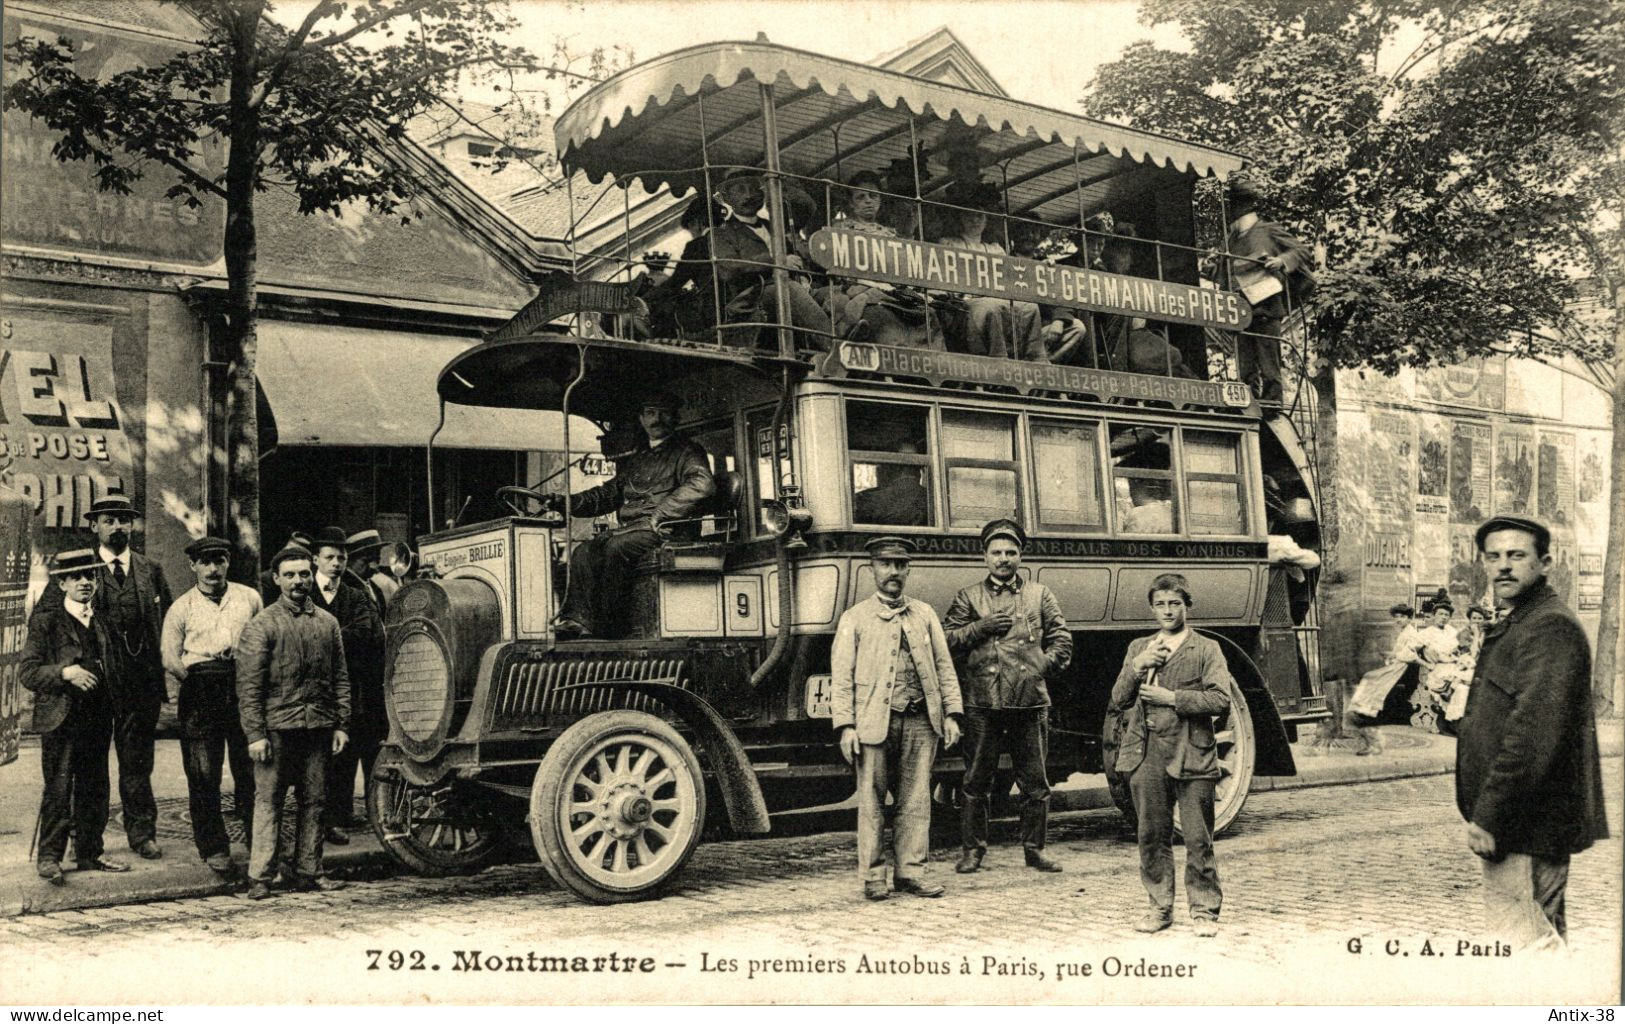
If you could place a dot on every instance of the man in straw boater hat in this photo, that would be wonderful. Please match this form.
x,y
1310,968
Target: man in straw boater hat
x,y
200,633
366,547
66,663
133,598
894,699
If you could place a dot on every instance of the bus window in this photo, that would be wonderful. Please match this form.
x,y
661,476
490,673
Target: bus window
x,y
1067,464
1213,483
1143,479
717,438
891,464
979,452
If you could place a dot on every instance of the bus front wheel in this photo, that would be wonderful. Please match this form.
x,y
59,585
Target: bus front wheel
x,y
1237,751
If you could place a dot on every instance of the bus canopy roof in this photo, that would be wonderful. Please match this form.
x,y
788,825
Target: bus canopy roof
x,y
837,117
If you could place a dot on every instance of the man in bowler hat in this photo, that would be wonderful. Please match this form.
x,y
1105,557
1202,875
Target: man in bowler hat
x,y
894,698
66,663
1008,636
1273,268
200,632
1528,779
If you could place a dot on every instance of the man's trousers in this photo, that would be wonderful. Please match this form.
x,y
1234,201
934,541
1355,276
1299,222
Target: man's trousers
x,y
73,762
298,760
987,731
1155,794
212,731
1524,901
599,572
902,764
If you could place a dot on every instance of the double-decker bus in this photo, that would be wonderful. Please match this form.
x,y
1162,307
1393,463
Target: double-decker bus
x,y
900,307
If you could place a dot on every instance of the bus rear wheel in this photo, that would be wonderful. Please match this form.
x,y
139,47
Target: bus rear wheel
x,y
617,807
1237,752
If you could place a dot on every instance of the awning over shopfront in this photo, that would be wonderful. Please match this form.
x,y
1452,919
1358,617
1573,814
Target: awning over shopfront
x,y
333,385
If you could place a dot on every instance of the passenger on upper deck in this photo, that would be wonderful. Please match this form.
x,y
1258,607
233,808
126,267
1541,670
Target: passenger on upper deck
x,y
876,311
739,238
665,481
993,327
1274,275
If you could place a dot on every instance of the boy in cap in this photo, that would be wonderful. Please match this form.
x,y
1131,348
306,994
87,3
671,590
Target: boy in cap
x,y
200,632
1171,685
894,697
1008,635
64,664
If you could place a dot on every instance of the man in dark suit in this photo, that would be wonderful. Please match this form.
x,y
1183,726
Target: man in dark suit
x,y
65,663
1528,780
365,549
132,599
338,592
1272,268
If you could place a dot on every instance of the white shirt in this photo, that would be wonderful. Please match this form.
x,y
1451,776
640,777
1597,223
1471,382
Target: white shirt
x,y
197,629
82,612
111,559
329,585
1173,641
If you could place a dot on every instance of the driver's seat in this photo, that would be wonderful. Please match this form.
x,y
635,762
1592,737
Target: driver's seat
x,y
720,510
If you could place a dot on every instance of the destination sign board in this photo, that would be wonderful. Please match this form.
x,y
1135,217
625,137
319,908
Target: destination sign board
x,y
1024,376
998,276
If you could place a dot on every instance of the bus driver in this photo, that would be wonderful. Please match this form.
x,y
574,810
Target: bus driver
x,y
664,481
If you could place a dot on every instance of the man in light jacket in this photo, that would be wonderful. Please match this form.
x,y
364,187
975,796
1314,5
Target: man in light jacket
x,y
1171,685
1009,635
894,697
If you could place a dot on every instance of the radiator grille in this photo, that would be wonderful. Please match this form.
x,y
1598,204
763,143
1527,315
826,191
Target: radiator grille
x,y
529,696
418,688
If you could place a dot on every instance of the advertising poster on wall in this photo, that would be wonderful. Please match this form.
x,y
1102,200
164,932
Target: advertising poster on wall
x,y
1390,474
1565,572
1588,589
1554,479
1474,384
1515,461
14,569
1469,472
1467,575
1591,485
1432,469
59,419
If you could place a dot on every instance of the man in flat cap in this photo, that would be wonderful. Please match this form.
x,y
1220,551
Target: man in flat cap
x,y
667,480
1008,636
340,593
894,698
1528,780
132,598
66,663
269,591
200,633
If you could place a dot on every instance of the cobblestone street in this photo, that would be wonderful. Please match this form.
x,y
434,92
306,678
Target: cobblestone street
x,y
1304,872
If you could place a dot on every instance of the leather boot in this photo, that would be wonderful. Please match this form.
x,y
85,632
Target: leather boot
x,y
1038,862
969,860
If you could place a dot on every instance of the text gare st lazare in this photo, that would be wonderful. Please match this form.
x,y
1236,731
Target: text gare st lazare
x,y
1000,276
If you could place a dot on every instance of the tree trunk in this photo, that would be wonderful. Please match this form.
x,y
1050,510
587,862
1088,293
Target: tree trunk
x,y
242,507
1332,580
1605,683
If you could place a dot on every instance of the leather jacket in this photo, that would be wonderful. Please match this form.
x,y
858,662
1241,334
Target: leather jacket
x,y
656,484
1009,670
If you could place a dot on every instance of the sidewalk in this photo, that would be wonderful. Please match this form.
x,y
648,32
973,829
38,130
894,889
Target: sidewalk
x,y
180,873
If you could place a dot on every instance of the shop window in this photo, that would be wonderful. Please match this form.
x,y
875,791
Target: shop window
x,y
891,464
1143,479
1213,483
979,453
1066,461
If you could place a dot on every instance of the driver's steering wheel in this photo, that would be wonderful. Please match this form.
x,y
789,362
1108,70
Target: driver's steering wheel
x,y
518,499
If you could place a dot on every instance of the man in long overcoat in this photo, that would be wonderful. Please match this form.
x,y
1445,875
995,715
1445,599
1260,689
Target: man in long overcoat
x,y
1528,780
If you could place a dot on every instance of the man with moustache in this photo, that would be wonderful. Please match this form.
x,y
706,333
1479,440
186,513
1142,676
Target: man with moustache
x,y
667,480
269,591
1010,635
64,663
365,548
1171,685
132,599
338,592
1528,780
293,697
200,633
894,697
